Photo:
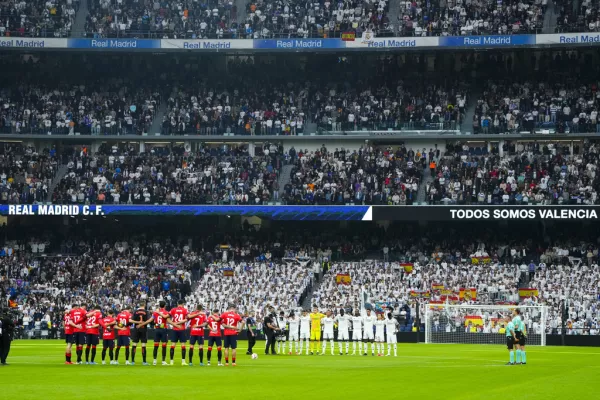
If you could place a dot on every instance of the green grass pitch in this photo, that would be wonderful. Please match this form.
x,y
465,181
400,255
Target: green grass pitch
x,y
420,371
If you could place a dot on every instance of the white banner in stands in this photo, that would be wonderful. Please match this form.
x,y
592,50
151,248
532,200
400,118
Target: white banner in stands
x,y
569,38
394,43
28,43
206,44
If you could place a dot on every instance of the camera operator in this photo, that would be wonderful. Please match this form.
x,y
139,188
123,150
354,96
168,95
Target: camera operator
x,y
7,327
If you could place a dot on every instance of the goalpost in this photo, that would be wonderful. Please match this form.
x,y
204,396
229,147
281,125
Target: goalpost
x,y
481,324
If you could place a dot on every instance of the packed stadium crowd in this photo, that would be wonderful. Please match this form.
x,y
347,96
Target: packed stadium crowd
x,y
526,173
277,19
37,18
181,20
25,174
577,17
208,176
367,176
44,275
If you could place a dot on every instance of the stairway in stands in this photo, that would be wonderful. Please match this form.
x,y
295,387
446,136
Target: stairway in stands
x,y
61,173
284,177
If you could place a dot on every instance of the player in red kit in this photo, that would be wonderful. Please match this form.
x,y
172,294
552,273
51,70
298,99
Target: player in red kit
x,y
92,323
198,321
231,324
77,317
108,336
214,336
124,321
68,336
161,318
178,321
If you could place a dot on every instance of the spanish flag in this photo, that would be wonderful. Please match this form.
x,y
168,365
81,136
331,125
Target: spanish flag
x,y
437,286
343,279
528,292
480,260
475,320
467,294
408,267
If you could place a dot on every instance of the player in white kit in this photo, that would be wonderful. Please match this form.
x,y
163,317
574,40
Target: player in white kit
x,y
327,323
304,331
369,323
343,322
391,328
294,325
357,333
380,334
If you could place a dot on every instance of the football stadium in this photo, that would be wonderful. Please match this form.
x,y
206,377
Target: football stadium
x,y
285,199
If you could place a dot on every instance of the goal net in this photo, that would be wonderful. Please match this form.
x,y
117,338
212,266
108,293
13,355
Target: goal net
x,y
481,324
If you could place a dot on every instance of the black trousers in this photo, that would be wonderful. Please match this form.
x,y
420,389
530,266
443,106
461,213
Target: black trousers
x,y
251,342
270,343
4,348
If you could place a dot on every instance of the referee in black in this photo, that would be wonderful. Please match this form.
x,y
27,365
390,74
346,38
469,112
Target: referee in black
x,y
270,327
140,332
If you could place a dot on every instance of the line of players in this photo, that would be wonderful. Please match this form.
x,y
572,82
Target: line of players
x,y
516,338
371,328
84,328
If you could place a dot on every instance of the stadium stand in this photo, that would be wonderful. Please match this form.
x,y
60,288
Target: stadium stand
x,y
184,20
210,176
577,17
527,173
277,19
25,174
367,176
37,18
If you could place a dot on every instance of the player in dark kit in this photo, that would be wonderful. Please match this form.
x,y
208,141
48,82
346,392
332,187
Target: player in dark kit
x,y
124,321
77,317
92,334
161,318
214,337
198,321
140,332
231,322
108,336
178,321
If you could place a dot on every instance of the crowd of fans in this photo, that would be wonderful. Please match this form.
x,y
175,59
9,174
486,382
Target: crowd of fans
x,y
117,175
37,18
146,19
487,17
25,174
526,173
577,16
295,19
368,176
44,277
565,105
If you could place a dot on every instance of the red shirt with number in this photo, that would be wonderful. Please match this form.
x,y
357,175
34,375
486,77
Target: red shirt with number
x,y
108,332
197,319
179,314
123,320
160,322
68,327
230,319
93,320
77,316
215,326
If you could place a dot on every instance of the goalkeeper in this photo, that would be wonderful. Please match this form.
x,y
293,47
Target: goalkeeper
x,y
315,329
510,340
